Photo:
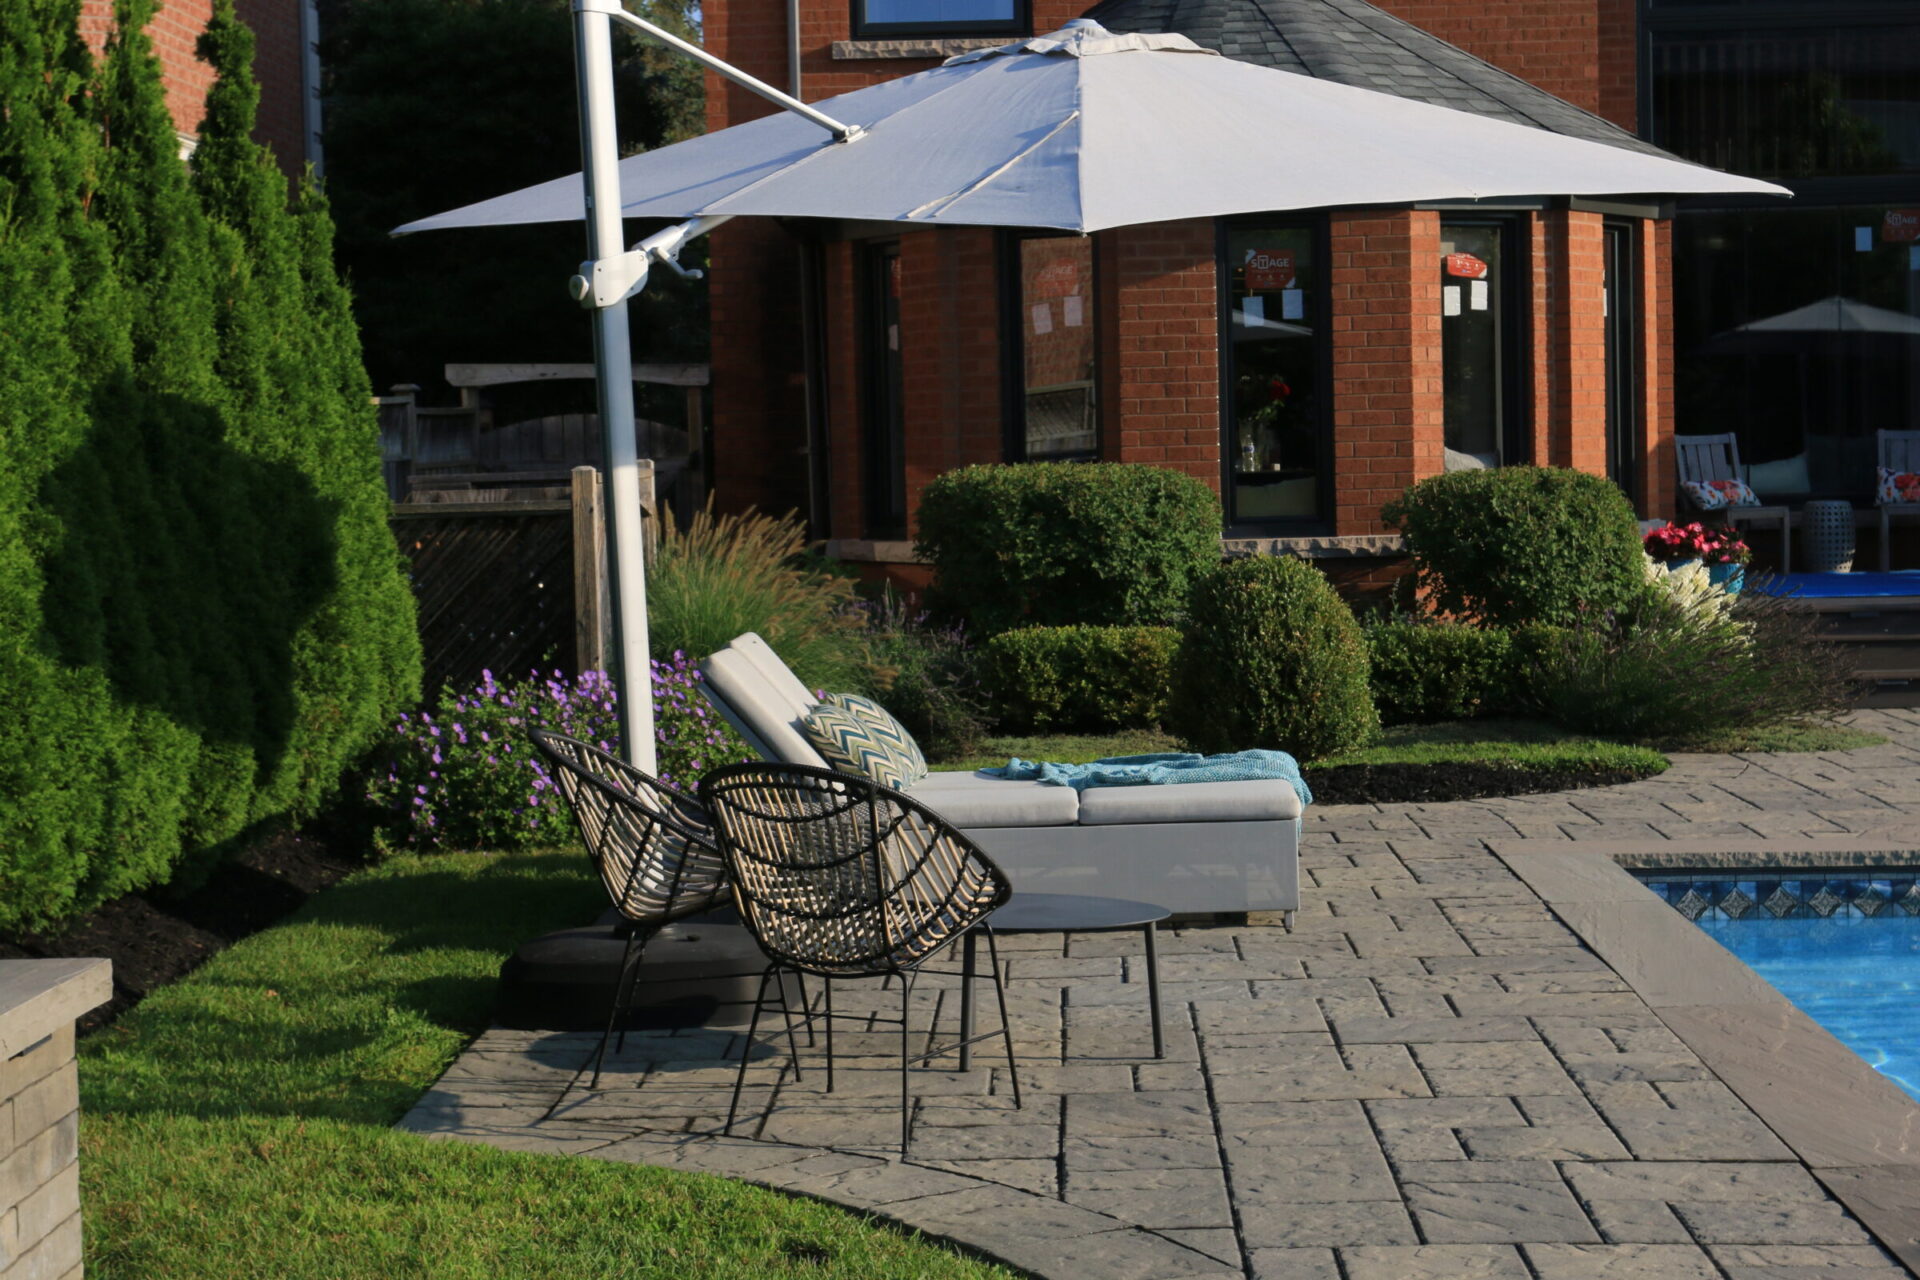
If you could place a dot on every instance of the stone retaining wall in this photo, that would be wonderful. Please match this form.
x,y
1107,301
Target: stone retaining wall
x,y
40,1113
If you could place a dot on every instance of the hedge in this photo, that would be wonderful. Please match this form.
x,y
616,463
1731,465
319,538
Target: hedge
x,y
202,613
1429,671
1065,543
1507,546
1079,679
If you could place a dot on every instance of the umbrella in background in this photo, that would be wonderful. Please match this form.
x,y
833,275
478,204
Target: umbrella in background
x,y
1078,130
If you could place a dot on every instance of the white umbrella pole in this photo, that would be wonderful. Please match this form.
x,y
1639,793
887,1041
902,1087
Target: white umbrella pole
x,y
613,367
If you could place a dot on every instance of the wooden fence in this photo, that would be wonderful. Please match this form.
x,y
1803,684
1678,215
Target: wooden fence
x,y
512,587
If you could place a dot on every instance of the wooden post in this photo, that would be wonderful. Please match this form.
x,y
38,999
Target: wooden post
x,y
649,514
592,621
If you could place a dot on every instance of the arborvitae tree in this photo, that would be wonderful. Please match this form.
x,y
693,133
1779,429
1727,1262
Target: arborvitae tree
x,y
198,625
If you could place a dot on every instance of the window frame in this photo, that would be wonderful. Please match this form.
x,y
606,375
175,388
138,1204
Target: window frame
x,y
1622,249
1020,24
1013,345
882,405
1320,313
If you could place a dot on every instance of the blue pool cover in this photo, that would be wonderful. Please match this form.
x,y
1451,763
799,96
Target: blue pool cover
x,y
1840,586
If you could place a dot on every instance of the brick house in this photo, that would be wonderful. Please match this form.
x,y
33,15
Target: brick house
x,y
1309,366
285,64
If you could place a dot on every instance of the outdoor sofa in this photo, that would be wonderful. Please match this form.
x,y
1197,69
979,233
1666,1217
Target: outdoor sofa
x,y
1191,848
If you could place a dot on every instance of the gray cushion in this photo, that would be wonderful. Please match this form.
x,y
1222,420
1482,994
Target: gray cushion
x,y
973,800
774,719
1258,801
779,676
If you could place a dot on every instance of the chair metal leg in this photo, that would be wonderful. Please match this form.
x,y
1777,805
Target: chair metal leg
x,y
828,984
906,1099
805,1003
1153,989
1006,1025
746,1049
786,1012
967,950
623,981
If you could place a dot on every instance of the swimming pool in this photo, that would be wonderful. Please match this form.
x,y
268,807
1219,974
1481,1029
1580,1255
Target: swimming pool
x,y
1842,945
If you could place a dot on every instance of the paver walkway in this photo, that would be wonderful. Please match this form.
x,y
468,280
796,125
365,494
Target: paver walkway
x,y
1429,1076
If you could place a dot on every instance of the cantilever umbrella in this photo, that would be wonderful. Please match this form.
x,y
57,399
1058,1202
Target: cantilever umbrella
x,y
1079,130
1082,130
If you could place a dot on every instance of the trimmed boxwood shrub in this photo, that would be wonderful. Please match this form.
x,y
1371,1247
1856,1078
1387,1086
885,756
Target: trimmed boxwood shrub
x,y
1271,657
1080,679
1428,671
1511,545
202,614
1060,543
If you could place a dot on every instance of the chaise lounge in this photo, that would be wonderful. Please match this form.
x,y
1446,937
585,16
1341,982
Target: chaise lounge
x,y
1192,848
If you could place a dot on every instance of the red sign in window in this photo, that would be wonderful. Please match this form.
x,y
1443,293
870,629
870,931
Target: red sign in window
x,y
1269,269
1466,266
1900,226
1059,279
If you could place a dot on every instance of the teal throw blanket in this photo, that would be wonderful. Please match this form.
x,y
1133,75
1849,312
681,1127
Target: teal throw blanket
x,y
1179,766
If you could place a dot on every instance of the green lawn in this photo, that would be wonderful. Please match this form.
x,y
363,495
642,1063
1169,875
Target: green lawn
x,y
237,1123
1794,735
1523,743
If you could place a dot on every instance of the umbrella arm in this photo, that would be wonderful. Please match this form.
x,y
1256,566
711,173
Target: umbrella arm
x,y
605,281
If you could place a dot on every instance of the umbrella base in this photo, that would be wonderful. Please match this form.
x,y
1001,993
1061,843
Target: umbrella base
x,y
697,972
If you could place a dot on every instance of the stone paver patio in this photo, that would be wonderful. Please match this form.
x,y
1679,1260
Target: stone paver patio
x,y
1430,1075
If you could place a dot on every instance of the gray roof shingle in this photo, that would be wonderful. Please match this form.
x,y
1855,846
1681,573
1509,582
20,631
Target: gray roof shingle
x,y
1355,43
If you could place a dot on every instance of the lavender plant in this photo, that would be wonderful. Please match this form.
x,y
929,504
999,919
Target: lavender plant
x,y
465,774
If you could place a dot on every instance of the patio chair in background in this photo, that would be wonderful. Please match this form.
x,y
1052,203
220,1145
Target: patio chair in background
x,y
653,847
1899,452
840,877
1703,459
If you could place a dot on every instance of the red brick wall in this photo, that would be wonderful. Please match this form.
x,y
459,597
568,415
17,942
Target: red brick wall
x,y
950,339
1535,243
1551,43
1579,342
1388,415
759,375
1163,405
846,415
175,31
1655,312
1619,62
279,62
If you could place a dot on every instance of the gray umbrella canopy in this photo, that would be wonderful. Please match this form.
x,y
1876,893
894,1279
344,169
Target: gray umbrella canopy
x,y
1082,130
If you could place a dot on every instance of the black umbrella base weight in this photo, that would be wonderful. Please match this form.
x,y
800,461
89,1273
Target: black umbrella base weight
x,y
699,972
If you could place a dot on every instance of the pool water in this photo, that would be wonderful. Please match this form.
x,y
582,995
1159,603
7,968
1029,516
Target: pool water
x,y
1857,976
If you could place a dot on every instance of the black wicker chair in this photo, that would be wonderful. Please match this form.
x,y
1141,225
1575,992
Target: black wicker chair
x,y
653,847
840,877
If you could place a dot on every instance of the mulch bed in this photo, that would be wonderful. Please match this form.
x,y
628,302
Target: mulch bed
x,y
155,937
1436,783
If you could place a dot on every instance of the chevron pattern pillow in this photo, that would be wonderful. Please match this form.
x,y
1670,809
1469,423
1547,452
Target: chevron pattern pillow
x,y
873,713
858,742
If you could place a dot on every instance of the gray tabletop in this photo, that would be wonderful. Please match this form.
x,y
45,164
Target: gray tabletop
x,y
1072,912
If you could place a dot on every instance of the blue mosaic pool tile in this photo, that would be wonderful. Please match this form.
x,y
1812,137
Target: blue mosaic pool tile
x,y
1748,895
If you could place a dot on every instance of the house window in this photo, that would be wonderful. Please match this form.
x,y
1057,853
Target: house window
x,y
1273,421
885,384
1051,362
1480,334
939,17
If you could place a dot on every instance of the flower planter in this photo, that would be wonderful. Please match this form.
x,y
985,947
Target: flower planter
x,y
1729,577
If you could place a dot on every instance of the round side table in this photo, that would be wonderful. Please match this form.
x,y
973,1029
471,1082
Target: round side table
x,y
1827,536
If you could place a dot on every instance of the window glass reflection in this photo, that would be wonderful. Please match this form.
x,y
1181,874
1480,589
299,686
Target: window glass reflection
x,y
1473,344
1273,435
1057,347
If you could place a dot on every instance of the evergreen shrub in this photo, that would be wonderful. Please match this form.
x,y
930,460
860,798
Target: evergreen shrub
x,y
1507,546
1425,671
202,615
1061,543
1080,679
1271,657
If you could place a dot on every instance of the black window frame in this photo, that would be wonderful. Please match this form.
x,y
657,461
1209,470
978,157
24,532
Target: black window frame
x,y
883,408
1020,24
1622,249
1515,349
1319,227
1013,346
